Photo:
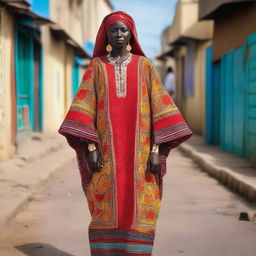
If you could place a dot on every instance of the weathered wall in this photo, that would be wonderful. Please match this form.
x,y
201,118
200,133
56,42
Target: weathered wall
x,y
7,147
186,14
68,14
179,77
206,7
95,12
55,81
193,106
58,61
232,28
69,60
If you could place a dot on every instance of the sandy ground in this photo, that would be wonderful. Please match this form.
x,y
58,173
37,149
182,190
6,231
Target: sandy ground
x,y
199,217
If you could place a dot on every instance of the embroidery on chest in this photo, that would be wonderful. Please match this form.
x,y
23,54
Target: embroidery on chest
x,y
120,75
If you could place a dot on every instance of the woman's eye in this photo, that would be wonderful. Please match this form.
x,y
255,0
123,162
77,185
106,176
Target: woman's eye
x,y
114,30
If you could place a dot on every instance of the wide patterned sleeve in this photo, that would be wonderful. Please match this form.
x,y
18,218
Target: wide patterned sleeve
x,y
80,119
169,126
79,123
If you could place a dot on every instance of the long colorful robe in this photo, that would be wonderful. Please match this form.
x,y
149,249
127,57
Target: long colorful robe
x,y
124,113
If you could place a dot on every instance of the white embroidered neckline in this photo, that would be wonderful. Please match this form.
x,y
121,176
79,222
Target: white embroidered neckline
x,y
120,75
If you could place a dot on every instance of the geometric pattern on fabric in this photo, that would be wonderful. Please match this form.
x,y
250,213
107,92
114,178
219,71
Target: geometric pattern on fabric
x,y
169,126
120,242
171,133
78,129
158,120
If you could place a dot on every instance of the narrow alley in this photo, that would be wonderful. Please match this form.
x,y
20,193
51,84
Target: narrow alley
x,y
125,82
199,217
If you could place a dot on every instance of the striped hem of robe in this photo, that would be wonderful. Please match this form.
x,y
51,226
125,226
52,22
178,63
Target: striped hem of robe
x,y
78,129
120,242
172,133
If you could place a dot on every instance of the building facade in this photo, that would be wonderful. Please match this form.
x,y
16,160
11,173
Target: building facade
x,y
188,41
7,86
42,59
96,11
231,74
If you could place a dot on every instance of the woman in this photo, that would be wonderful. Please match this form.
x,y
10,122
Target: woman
x,y
122,124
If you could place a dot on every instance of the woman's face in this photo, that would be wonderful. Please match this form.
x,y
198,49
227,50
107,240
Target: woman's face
x,y
118,35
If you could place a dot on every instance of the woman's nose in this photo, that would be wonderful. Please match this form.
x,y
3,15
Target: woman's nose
x,y
119,32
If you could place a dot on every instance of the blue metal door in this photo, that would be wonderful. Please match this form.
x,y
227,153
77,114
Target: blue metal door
x,y
225,95
251,97
216,102
213,82
75,78
239,85
28,71
24,80
232,104
209,97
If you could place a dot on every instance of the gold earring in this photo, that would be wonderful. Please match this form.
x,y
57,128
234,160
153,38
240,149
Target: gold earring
x,y
109,48
128,47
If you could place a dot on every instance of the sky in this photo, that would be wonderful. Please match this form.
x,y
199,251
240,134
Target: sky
x,y
151,18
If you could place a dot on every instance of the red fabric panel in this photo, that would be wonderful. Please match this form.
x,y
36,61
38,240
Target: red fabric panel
x,y
123,112
80,117
168,121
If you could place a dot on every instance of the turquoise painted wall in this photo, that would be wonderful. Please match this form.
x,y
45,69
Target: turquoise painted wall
x,y
250,94
212,99
231,99
75,76
25,78
24,71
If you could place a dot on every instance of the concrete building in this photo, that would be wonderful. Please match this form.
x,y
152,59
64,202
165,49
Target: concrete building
x,y
41,63
165,58
96,11
82,19
188,40
20,74
7,92
62,43
231,74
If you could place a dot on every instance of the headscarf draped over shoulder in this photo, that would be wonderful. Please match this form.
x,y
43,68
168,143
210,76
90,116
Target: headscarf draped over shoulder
x,y
102,40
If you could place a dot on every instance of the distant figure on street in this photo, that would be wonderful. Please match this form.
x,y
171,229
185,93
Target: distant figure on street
x,y
122,124
169,82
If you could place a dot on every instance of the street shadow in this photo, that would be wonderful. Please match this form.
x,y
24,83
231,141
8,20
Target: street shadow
x,y
40,249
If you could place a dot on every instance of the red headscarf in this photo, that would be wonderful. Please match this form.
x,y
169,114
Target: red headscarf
x,y
102,40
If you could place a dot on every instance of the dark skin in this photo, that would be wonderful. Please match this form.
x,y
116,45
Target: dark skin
x,y
119,36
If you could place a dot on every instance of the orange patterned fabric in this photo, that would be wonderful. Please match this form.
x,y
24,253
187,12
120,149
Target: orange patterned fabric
x,y
123,195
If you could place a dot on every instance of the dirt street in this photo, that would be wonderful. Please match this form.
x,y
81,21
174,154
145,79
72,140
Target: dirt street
x,y
199,217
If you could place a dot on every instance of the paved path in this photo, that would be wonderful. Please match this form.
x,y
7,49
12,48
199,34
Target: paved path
x,y
199,217
235,172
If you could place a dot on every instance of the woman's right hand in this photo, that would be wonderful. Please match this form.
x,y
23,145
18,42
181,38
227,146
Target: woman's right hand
x,y
94,161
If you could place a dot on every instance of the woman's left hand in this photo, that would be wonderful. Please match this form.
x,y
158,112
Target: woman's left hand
x,y
154,163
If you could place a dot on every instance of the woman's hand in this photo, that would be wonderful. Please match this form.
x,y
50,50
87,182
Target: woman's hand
x,y
93,156
94,161
154,163
154,160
